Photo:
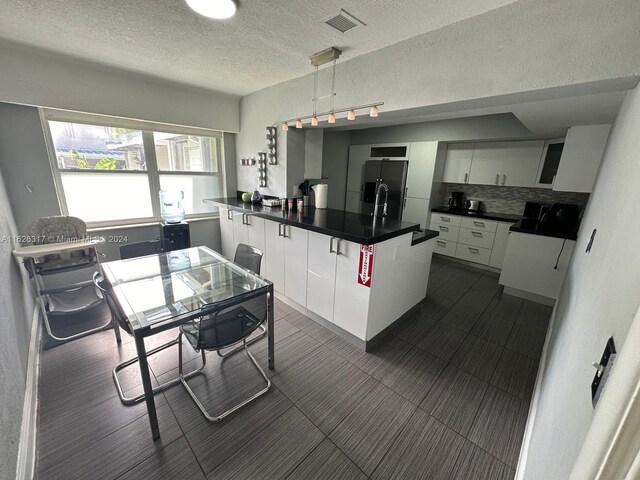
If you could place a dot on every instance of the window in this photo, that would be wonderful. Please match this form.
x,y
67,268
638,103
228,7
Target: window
x,y
112,174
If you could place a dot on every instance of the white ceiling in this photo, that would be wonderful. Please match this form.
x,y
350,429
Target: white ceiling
x,y
267,42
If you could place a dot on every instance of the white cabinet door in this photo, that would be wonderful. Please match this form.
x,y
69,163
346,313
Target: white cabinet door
x,y
351,304
358,154
530,260
422,161
295,264
226,232
457,163
486,164
240,234
352,203
500,245
520,163
321,274
416,210
273,266
256,236
581,157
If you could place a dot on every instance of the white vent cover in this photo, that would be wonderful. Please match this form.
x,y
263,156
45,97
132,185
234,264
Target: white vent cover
x,y
344,21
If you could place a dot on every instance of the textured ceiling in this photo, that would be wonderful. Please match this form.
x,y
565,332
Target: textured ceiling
x,y
267,42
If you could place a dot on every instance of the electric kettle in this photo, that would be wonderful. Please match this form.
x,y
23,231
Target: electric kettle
x,y
321,191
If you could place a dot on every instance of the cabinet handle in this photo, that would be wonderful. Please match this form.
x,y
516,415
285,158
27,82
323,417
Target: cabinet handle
x,y
244,221
441,244
466,177
338,252
443,229
331,250
477,234
445,219
479,224
404,203
279,229
248,223
229,215
474,250
284,231
497,178
504,179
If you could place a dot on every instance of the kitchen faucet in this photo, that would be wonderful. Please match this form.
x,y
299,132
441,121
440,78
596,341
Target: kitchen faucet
x,y
377,204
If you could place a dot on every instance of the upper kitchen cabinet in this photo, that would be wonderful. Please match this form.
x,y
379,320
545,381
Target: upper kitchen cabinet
x,y
549,163
581,157
511,164
457,163
422,160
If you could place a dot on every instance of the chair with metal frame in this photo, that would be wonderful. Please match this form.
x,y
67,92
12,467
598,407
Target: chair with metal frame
x,y
225,324
119,318
250,258
139,249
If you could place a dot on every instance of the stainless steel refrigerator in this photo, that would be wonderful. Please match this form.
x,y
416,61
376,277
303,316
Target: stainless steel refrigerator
x,y
394,175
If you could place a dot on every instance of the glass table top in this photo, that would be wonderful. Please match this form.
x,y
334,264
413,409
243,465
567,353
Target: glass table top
x,y
156,289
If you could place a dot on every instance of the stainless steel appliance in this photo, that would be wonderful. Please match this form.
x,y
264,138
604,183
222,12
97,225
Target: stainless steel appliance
x,y
474,206
394,175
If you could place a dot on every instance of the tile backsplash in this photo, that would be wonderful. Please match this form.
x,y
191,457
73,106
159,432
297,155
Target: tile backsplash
x,y
512,199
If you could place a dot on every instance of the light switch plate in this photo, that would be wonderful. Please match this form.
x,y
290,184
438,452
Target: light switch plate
x,y
603,371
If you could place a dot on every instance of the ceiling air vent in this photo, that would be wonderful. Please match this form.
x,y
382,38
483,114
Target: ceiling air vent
x,y
344,21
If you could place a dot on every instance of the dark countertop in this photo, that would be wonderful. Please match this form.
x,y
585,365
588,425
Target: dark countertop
x,y
349,226
533,228
500,217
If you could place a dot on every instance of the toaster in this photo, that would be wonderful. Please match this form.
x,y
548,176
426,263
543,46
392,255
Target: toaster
x,y
474,205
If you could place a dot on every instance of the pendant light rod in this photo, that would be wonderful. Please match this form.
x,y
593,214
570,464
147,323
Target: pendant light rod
x,y
341,110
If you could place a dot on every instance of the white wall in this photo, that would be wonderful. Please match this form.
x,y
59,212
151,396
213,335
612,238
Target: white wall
x,y
15,329
599,299
35,77
527,46
335,164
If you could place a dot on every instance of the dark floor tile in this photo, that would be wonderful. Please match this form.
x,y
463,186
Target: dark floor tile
x,y
499,425
309,327
455,399
378,361
114,454
415,327
477,299
274,452
462,317
451,290
370,428
442,341
487,284
327,462
213,443
176,460
426,449
288,351
414,375
535,315
477,357
526,340
325,387
504,306
493,329
473,463
516,374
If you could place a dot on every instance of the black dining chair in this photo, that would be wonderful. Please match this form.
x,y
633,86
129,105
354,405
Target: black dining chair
x,y
250,258
225,324
139,249
119,318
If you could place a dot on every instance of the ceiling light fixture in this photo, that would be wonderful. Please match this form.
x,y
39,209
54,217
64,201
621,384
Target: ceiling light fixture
x,y
325,56
218,9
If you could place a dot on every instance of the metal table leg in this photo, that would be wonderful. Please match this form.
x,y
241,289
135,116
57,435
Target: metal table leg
x,y
146,384
270,328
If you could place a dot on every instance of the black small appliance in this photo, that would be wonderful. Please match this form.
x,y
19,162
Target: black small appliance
x,y
561,218
177,234
456,202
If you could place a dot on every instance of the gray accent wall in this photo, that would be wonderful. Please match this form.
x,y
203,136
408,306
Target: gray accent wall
x,y
15,329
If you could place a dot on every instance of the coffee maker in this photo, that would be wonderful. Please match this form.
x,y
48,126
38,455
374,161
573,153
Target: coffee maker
x,y
456,202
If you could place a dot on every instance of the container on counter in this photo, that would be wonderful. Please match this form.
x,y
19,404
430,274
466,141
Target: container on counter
x,y
300,204
290,204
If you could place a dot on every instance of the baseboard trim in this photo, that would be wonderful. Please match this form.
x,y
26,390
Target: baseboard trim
x,y
534,297
27,449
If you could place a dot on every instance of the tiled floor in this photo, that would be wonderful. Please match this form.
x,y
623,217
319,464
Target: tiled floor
x,y
445,396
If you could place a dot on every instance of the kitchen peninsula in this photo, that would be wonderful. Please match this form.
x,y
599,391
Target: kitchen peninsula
x,y
351,273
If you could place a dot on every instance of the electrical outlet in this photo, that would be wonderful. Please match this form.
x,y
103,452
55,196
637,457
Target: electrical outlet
x,y
603,369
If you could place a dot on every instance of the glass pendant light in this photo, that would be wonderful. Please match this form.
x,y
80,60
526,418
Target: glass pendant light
x,y
285,126
332,118
314,121
373,112
299,123
351,115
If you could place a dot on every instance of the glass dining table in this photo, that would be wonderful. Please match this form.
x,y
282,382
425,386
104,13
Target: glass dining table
x,y
160,292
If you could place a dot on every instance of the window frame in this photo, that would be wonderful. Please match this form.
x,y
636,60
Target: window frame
x,y
152,172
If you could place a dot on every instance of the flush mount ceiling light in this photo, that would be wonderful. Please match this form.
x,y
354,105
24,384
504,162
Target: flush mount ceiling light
x,y
218,9
330,54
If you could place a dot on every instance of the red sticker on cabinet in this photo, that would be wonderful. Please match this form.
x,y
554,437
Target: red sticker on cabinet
x,y
365,268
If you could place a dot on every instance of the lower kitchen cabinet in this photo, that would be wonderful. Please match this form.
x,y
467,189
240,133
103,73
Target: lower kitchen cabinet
x,y
321,274
273,267
240,233
530,264
499,245
295,263
226,232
